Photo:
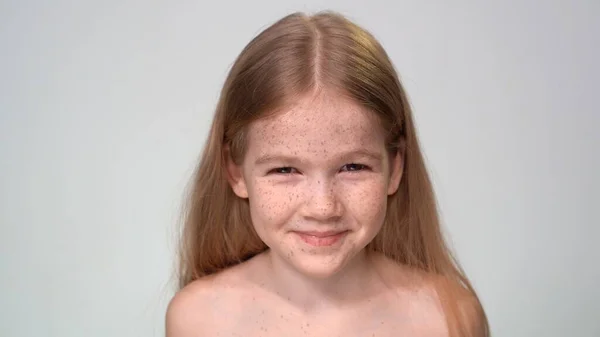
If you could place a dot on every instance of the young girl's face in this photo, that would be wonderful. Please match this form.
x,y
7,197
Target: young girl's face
x,y
317,177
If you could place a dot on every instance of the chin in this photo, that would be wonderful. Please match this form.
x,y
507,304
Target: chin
x,y
319,264
320,259
318,269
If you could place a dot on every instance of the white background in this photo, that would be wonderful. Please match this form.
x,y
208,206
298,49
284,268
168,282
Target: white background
x,y
105,106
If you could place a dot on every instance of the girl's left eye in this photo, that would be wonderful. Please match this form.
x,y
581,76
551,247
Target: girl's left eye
x,y
354,167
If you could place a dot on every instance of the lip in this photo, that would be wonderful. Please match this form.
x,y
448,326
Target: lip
x,y
321,238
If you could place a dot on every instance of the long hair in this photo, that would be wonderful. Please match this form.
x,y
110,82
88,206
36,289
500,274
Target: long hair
x,y
294,56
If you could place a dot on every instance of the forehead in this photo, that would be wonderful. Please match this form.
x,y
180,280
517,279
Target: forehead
x,y
321,124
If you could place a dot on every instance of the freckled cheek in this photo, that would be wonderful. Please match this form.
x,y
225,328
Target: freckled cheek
x,y
367,200
272,203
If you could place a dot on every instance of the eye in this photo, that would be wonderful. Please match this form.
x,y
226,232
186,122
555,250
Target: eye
x,y
283,170
354,167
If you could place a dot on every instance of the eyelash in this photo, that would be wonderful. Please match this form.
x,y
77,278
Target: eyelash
x,y
361,167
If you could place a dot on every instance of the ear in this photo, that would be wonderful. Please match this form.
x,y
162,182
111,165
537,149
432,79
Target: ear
x,y
235,175
396,169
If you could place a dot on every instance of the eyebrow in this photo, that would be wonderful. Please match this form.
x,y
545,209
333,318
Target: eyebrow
x,y
267,158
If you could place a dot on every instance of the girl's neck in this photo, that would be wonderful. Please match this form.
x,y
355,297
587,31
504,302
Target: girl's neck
x,y
355,283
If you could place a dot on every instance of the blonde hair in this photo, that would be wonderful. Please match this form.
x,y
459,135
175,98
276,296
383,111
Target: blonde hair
x,y
292,57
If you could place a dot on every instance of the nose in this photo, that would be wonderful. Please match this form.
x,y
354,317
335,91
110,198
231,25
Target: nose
x,y
322,202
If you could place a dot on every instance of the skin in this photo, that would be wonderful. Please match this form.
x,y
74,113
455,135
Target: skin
x,y
319,167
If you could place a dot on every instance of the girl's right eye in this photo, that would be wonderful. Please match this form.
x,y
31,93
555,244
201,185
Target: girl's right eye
x,y
283,170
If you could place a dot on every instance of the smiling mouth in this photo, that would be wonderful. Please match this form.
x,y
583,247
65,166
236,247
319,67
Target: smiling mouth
x,y
321,239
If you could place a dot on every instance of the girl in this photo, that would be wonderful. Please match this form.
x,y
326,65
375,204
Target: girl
x,y
311,212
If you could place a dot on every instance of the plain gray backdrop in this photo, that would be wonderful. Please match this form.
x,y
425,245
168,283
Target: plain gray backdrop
x,y
105,106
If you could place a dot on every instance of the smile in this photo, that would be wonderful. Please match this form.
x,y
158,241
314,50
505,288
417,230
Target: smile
x,y
321,239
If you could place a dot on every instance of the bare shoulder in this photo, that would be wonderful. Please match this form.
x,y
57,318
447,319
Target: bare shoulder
x,y
433,300
199,308
189,312
467,312
413,299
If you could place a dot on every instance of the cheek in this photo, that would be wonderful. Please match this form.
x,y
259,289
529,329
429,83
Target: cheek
x,y
270,204
367,201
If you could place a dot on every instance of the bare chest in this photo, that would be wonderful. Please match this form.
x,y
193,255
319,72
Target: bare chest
x,y
371,322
